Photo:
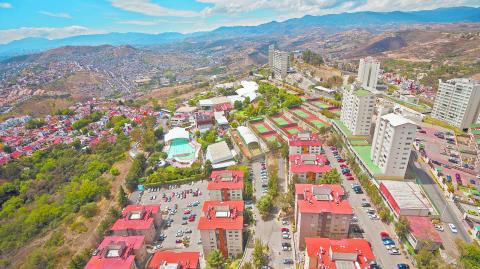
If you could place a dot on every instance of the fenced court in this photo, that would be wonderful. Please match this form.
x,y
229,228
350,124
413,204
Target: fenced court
x,y
321,105
261,128
281,121
300,113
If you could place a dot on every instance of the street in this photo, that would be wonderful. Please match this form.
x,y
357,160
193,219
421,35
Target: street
x,y
371,228
447,215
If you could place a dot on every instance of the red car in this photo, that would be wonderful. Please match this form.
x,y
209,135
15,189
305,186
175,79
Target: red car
x,y
348,174
341,161
384,235
191,219
343,166
186,212
285,230
178,241
350,178
327,162
422,131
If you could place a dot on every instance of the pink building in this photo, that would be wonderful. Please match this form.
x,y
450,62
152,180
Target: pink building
x,y
321,211
138,220
177,260
119,252
308,167
304,143
226,185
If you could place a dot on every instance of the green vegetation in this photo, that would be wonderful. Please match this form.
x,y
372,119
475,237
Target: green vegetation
x,y
136,172
402,228
207,138
331,177
45,190
265,205
93,117
117,123
331,82
443,124
216,260
65,112
35,123
199,96
312,58
169,173
260,254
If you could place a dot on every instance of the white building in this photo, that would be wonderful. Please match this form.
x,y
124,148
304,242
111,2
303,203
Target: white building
x,y
357,110
278,61
392,143
368,72
457,102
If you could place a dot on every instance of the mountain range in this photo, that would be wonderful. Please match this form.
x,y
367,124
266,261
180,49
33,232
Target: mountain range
x,y
332,22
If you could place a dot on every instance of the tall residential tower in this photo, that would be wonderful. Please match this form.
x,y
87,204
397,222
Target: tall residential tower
x,y
368,72
278,61
357,110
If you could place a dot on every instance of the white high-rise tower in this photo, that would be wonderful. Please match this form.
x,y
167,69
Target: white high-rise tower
x,y
368,70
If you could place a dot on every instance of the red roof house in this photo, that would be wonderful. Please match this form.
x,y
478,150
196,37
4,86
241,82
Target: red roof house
x,y
178,260
118,252
422,230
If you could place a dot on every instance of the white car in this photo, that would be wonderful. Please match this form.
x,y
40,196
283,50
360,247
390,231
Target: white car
x,y
453,228
438,227
286,236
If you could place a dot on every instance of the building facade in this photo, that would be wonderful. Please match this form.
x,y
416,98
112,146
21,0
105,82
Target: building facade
x,y
221,227
308,167
368,70
138,220
278,61
321,211
178,260
126,252
457,102
392,143
304,143
226,185
357,110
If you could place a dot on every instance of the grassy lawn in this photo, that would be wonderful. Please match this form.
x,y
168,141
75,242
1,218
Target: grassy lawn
x,y
443,124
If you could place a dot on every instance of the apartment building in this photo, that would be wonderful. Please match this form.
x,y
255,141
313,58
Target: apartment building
x,y
323,253
321,211
138,220
226,185
125,252
357,110
304,143
221,227
368,70
457,102
308,167
391,145
278,61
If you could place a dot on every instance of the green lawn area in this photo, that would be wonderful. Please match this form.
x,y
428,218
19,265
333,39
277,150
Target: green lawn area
x,y
271,138
321,105
422,108
293,131
280,121
318,123
300,113
364,153
344,128
359,142
261,128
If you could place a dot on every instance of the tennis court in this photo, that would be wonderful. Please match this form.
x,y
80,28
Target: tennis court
x,y
293,131
280,121
318,123
321,105
261,128
300,113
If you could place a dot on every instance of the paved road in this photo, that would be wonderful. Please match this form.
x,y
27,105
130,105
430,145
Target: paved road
x,y
372,228
269,231
447,214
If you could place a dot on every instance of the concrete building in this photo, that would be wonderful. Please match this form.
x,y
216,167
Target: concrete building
x,y
321,211
391,145
457,102
357,110
123,252
405,198
304,143
138,220
220,155
368,70
226,185
308,167
278,61
326,253
175,260
221,227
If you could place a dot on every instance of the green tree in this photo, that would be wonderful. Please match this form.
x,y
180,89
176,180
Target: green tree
x,y
238,105
80,260
247,265
207,170
122,197
402,228
265,204
216,260
330,177
259,254
159,132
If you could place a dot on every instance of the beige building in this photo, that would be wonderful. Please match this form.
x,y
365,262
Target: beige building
x,y
321,211
221,227
278,61
368,70
304,143
392,143
226,185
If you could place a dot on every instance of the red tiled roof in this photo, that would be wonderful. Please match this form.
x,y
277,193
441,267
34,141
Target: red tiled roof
x,y
211,221
186,260
322,248
153,208
143,223
295,140
298,163
233,183
136,241
311,205
97,262
422,228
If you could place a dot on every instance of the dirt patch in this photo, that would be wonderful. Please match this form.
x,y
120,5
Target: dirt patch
x,y
184,92
39,107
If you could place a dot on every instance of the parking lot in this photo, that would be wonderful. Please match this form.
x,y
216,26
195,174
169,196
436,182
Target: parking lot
x,y
182,227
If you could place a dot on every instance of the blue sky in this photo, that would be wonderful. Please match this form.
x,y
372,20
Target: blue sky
x,y
62,18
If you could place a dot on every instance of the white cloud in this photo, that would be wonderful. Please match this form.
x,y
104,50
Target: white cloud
x,y
57,15
9,35
5,5
146,7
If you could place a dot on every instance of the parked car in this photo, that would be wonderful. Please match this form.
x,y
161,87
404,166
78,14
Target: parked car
x,y
403,266
286,236
366,204
285,230
394,251
388,241
438,227
287,261
350,178
453,228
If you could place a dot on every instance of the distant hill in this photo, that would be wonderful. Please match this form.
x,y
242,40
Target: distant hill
x,y
331,22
